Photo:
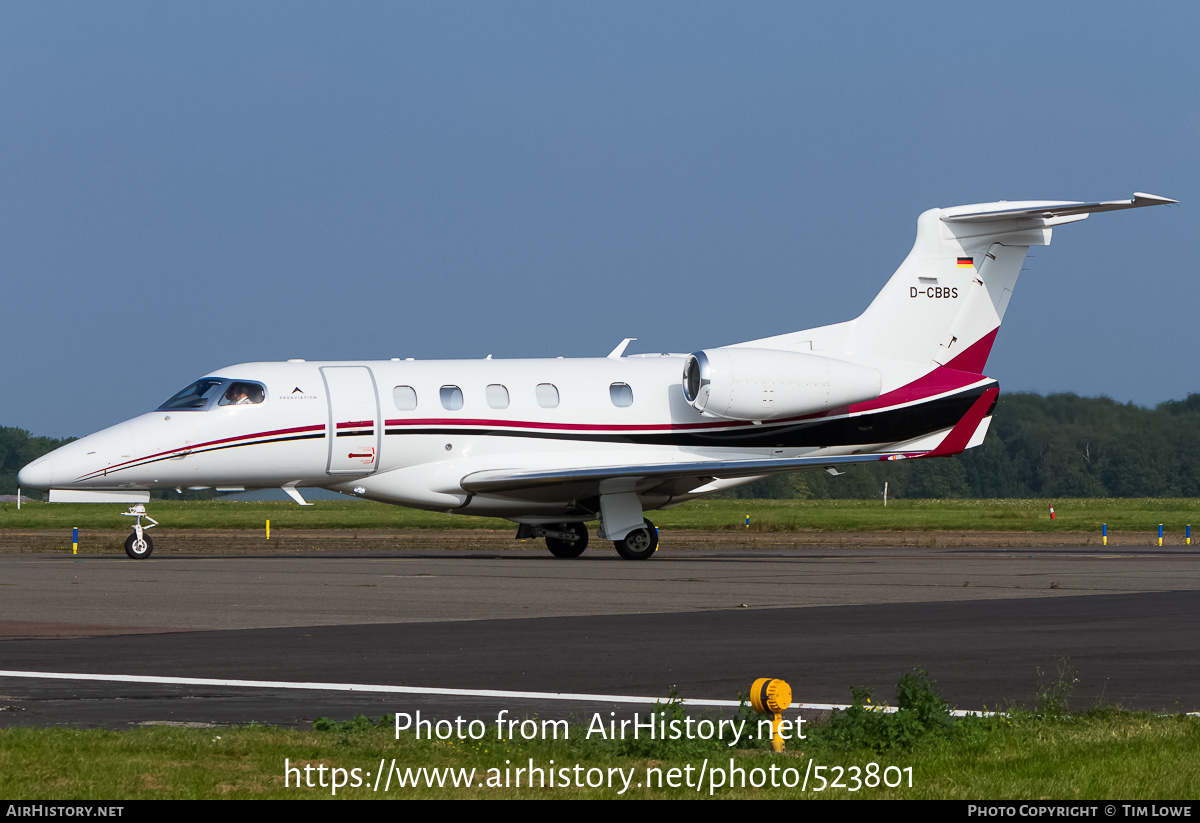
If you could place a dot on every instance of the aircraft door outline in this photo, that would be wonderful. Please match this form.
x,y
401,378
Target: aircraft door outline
x,y
355,425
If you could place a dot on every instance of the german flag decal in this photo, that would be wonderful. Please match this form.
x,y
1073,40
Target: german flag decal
x,y
966,262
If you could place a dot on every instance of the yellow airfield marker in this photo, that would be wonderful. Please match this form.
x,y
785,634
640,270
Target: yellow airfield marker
x,y
771,696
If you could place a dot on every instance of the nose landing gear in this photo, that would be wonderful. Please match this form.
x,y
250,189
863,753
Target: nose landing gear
x,y
138,546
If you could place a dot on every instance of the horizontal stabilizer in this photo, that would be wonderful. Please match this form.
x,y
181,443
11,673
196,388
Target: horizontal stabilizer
x,y
1047,209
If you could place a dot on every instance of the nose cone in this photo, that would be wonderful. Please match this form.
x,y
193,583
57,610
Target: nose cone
x,y
37,475
85,463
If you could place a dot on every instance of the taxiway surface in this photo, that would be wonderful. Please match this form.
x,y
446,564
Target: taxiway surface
x,y
983,623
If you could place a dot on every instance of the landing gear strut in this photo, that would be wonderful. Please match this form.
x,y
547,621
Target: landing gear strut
x,y
639,544
138,545
562,539
570,541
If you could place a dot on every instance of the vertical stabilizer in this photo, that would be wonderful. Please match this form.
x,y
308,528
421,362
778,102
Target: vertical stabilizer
x,y
944,304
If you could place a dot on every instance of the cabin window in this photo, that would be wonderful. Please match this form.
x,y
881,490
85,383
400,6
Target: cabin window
x,y
452,398
195,396
243,394
547,395
497,396
621,394
405,398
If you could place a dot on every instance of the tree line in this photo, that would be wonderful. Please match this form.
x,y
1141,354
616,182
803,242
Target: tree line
x,y
1060,445
17,448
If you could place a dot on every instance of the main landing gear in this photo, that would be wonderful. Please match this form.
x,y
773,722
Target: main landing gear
x,y
562,539
138,545
571,539
567,540
639,544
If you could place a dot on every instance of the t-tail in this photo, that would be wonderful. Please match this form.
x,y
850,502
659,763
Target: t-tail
x,y
945,303
930,330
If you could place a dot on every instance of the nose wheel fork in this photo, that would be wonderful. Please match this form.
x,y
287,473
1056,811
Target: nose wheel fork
x,y
138,546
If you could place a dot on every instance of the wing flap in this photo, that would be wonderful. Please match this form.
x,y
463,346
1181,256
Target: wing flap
x,y
501,481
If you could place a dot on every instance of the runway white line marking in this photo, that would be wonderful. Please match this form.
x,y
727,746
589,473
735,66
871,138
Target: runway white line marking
x,y
367,687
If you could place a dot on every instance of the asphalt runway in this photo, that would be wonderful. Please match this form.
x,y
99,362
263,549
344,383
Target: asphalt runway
x,y
982,622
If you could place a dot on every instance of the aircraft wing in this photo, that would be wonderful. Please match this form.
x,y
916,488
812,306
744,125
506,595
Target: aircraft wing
x,y
680,477
686,476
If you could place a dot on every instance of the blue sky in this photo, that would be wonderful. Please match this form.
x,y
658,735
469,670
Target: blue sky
x,y
186,186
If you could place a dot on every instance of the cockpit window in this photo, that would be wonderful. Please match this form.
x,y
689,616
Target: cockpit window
x,y
195,396
201,394
242,394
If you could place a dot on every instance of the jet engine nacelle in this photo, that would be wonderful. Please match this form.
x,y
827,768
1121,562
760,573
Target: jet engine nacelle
x,y
769,384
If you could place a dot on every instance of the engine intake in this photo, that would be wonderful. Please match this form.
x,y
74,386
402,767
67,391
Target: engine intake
x,y
769,384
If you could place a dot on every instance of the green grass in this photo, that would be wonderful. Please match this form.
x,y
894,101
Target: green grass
x,y
1143,514
1104,755
1077,515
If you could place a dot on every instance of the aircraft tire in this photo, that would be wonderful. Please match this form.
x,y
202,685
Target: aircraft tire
x,y
135,551
569,548
639,544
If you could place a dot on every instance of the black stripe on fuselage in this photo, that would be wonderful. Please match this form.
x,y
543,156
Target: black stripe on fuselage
x,y
205,450
885,426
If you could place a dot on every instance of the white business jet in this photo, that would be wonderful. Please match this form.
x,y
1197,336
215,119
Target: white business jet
x,y
553,444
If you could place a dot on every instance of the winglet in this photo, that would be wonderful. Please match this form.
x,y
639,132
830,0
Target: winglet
x,y
956,441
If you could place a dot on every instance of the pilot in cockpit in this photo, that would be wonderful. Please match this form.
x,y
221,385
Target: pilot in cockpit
x,y
242,394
